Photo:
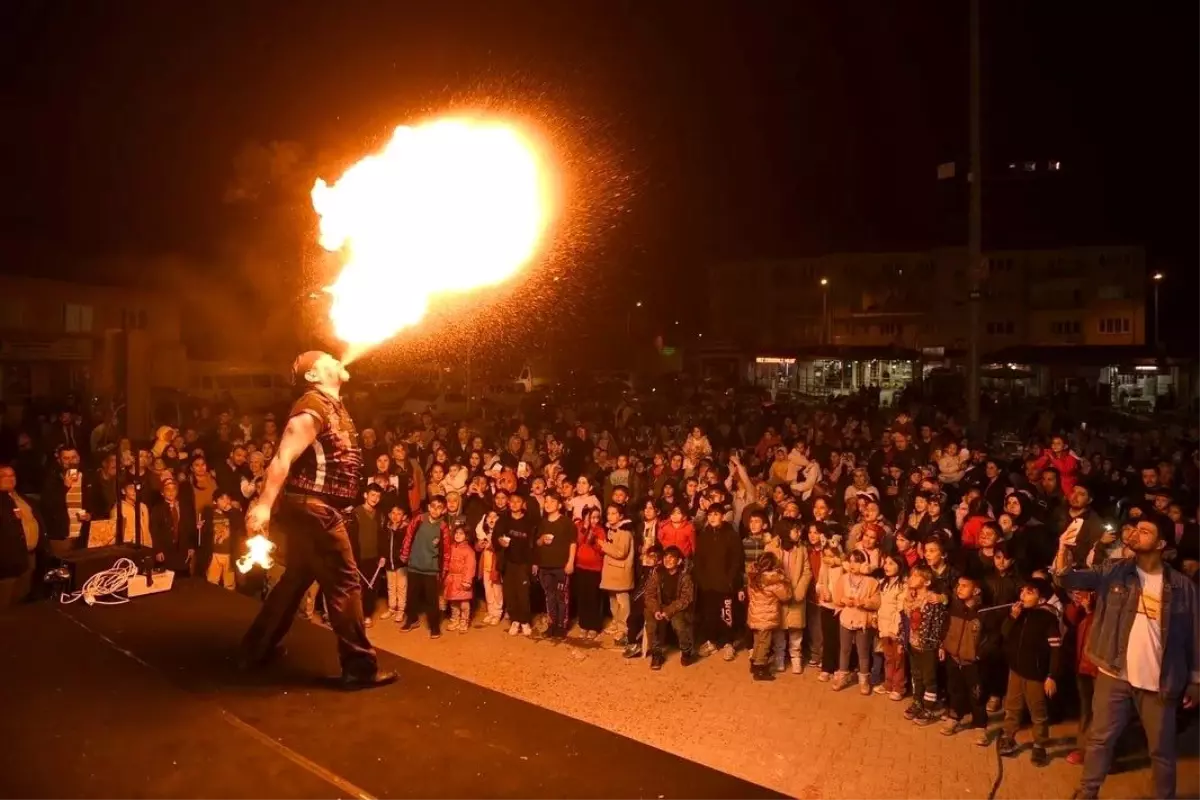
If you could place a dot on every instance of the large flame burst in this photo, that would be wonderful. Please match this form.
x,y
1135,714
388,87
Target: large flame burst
x,y
447,206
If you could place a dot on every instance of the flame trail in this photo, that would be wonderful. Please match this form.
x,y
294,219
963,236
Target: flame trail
x,y
447,206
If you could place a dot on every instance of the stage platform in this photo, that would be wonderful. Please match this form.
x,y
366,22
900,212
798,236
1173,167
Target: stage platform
x,y
145,700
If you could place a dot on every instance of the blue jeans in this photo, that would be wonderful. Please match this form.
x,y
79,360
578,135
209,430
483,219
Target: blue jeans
x,y
557,589
1113,706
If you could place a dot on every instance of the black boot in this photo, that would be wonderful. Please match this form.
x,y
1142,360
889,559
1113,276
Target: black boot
x,y
657,659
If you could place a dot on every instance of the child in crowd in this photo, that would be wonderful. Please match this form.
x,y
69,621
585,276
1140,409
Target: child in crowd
x,y
812,601
926,625
794,563
906,547
892,591
767,589
638,622
589,564
489,566
960,651
829,577
669,594
394,529
952,463
856,597
1001,587
1032,644
616,576
459,585
1080,614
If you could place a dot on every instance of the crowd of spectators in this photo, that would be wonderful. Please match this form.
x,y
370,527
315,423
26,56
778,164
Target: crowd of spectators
x,y
872,548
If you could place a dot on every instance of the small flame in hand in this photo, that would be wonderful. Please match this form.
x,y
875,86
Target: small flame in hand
x,y
258,553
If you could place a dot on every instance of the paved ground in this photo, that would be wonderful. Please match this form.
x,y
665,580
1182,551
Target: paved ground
x,y
794,735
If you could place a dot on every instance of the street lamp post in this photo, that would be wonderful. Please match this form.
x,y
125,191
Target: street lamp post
x,y
629,320
1158,278
824,309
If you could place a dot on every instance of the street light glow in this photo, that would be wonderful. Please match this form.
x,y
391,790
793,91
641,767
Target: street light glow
x,y
638,304
1158,276
824,281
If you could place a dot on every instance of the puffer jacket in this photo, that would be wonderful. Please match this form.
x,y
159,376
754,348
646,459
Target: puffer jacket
x,y
795,566
865,590
964,633
891,606
459,583
766,592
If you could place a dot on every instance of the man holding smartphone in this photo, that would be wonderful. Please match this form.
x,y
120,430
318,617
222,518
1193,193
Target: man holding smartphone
x,y
63,508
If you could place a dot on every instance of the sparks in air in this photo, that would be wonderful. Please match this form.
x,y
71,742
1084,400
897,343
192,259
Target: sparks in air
x,y
447,206
258,553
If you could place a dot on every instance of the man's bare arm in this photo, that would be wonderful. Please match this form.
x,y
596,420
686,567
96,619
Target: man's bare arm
x,y
298,436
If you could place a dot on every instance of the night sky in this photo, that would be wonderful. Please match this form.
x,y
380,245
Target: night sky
x,y
693,131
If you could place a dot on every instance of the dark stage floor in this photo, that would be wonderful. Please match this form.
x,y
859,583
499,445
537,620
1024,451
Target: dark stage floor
x,y
144,700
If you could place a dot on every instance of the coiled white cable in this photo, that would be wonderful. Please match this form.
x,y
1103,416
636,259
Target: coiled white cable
x,y
105,584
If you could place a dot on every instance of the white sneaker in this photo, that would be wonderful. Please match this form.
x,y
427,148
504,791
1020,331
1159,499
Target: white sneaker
x,y
386,614
493,621
728,653
707,649
514,629
527,630
797,666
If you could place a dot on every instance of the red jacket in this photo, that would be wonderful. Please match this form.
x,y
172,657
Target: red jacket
x,y
588,557
1067,465
683,537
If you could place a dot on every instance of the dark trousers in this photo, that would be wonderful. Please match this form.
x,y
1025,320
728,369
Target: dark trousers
x,y
589,600
993,674
1025,693
656,633
557,588
1114,704
1086,686
423,591
964,686
716,618
636,623
318,549
831,640
516,593
16,589
924,665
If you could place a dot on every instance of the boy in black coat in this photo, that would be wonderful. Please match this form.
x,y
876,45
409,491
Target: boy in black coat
x,y
1032,648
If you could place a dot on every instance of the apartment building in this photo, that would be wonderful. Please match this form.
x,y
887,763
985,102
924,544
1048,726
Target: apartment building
x,y
59,338
920,300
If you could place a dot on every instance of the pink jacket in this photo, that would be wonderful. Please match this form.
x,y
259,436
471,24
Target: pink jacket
x,y
460,577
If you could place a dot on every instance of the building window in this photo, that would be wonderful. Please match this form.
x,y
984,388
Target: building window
x,y
1065,327
1114,325
1005,328
77,318
889,329
1111,292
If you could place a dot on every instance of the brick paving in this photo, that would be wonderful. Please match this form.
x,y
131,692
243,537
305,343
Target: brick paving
x,y
793,735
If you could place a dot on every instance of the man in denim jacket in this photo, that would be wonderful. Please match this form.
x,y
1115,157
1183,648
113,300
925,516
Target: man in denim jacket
x,y
1145,644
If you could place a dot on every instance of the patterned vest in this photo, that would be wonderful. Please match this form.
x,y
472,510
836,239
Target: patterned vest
x,y
330,468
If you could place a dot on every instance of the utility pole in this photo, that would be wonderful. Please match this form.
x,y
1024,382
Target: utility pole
x,y
975,228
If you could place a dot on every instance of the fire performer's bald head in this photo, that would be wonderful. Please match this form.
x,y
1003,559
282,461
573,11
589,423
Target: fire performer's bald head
x,y
319,369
